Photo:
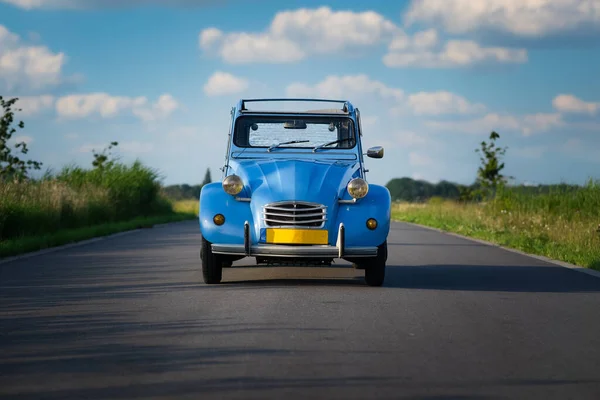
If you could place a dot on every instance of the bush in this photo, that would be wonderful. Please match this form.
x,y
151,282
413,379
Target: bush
x,y
77,197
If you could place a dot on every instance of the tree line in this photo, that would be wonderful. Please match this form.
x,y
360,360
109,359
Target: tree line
x,y
412,190
185,191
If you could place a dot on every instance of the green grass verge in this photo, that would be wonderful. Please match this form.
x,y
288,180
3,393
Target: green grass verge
x,y
574,242
17,246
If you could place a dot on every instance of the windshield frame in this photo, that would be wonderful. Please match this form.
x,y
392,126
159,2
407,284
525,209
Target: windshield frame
x,y
308,118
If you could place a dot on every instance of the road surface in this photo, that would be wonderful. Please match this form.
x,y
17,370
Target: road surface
x,y
129,318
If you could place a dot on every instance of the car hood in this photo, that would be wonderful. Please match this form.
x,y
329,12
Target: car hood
x,y
303,180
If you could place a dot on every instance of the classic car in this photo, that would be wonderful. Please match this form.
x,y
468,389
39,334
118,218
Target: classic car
x,y
294,192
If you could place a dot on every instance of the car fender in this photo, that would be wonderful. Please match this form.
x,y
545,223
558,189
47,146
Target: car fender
x,y
376,204
214,200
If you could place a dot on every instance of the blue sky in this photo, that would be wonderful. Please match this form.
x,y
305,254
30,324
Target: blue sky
x,y
432,79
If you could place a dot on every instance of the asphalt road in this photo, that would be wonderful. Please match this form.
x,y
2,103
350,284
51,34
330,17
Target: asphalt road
x,y
129,318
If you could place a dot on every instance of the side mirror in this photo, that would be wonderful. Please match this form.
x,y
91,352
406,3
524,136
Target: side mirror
x,y
375,152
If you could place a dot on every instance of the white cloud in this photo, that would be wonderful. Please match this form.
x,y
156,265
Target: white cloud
x,y
107,106
570,104
293,35
27,67
369,122
222,83
23,138
540,122
358,86
210,37
345,87
420,40
84,4
533,152
242,48
529,18
71,136
88,148
454,53
163,108
31,105
135,147
441,102
527,124
411,139
419,160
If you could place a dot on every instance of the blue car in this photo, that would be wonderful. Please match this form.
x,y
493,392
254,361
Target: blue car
x,y
294,192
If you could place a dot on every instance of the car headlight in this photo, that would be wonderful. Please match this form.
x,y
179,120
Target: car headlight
x,y
358,188
233,184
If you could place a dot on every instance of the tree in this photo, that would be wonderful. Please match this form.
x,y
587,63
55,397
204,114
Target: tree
x,y
11,166
489,173
207,178
101,160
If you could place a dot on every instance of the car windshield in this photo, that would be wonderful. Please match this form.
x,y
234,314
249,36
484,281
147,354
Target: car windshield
x,y
297,132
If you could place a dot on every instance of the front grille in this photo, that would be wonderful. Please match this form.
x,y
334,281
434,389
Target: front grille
x,y
295,213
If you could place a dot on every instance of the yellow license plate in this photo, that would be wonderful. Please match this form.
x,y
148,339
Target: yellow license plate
x,y
297,236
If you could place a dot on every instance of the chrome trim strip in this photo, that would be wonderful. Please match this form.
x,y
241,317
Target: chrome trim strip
x,y
319,214
308,221
340,201
320,227
246,199
294,209
265,250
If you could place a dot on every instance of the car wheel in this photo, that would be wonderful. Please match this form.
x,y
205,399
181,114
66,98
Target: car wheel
x,y
212,267
375,267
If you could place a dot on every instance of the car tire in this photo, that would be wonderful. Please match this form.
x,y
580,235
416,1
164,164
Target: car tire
x,y
212,267
375,267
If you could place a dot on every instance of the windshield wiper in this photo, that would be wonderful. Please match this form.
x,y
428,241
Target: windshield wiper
x,y
290,142
330,143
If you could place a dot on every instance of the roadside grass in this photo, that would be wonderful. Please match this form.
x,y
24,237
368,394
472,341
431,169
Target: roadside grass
x,y
562,224
77,198
77,204
186,206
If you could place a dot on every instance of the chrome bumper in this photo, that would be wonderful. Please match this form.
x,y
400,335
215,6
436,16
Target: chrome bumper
x,y
277,250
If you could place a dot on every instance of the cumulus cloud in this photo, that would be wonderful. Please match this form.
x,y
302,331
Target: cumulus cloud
x,y
23,139
419,160
107,106
568,103
527,18
533,152
31,105
222,83
357,86
441,102
161,109
423,50
83,4
293,35
526,125
27,67
135,147
346,86
411,139
540,122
